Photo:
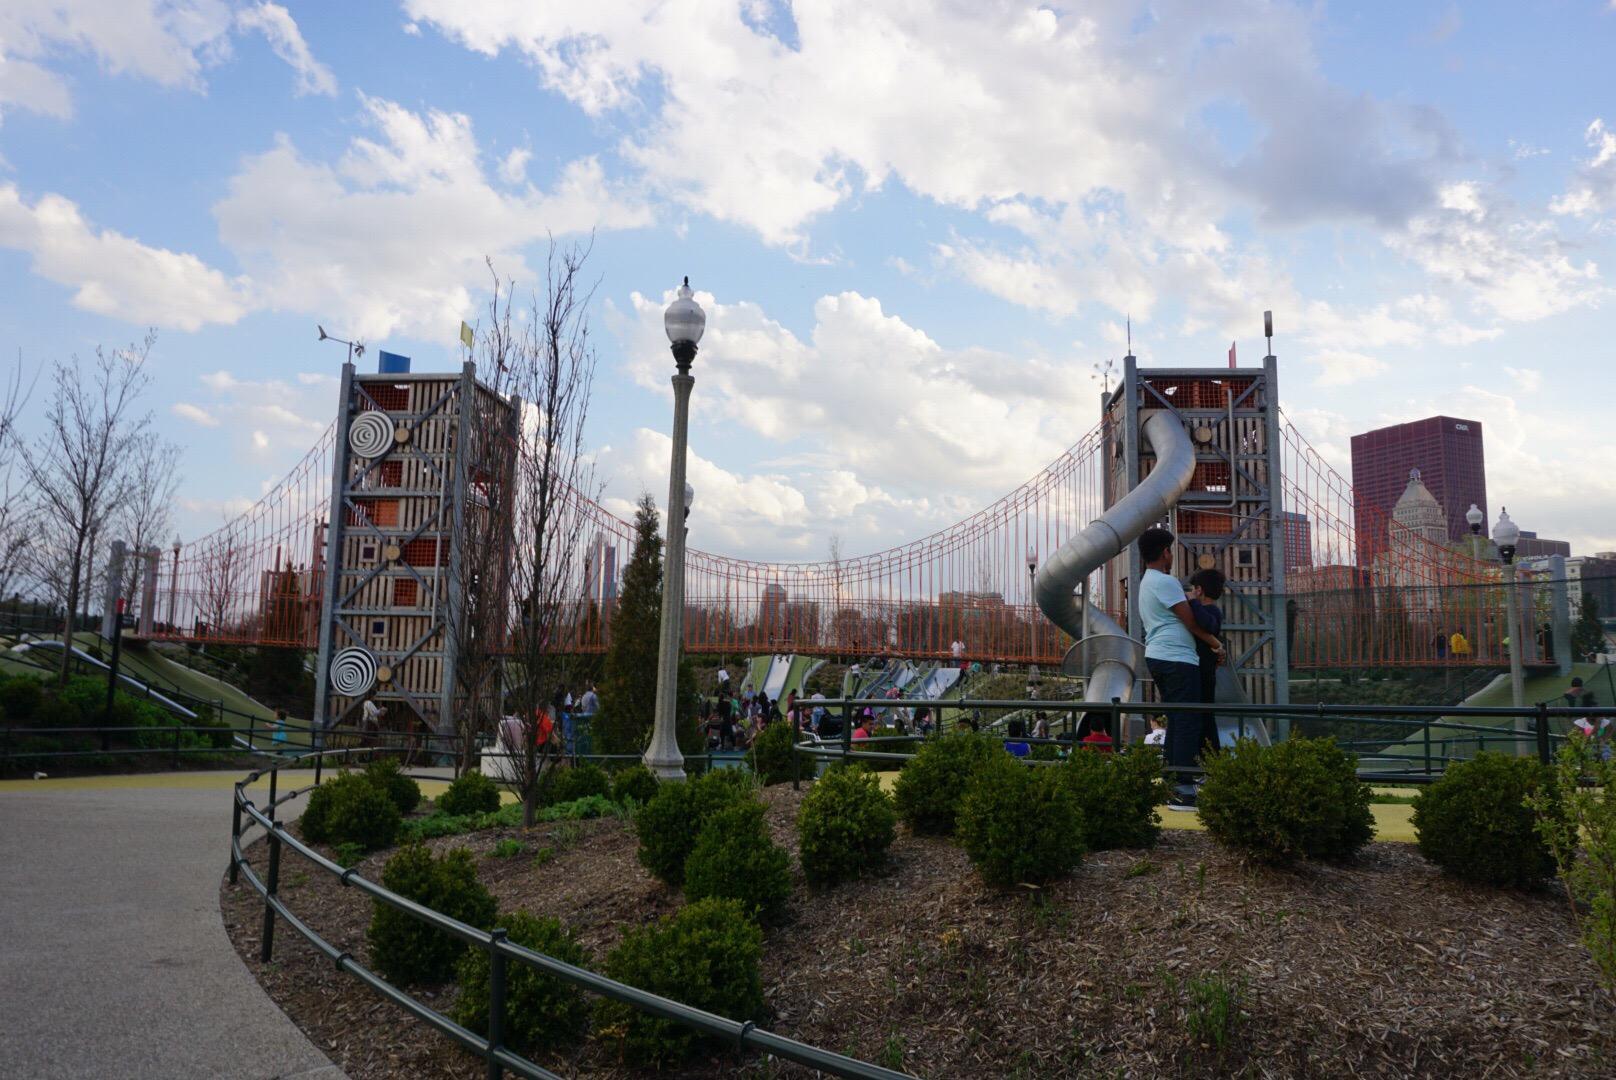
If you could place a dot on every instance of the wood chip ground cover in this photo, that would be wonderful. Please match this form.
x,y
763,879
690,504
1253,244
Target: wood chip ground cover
x,y
1380,968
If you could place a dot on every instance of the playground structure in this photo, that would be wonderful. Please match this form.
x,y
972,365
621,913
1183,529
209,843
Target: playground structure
x,y
1205,451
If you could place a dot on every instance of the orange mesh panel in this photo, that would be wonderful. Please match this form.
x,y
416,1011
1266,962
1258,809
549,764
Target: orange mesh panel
x,y
404,592
392,473
384,511
423,552
1200,523
391,398
1210,476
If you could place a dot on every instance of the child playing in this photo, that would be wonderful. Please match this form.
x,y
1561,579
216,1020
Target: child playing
x,y
1206,589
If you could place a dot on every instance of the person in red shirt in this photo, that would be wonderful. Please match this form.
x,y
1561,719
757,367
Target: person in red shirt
x,y
862,732
1099,736
542,726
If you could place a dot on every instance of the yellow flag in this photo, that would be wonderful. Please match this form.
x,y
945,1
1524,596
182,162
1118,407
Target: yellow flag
x,y
466,337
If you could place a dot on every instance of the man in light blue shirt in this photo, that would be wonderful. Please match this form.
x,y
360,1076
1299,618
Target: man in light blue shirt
x,y
1170,633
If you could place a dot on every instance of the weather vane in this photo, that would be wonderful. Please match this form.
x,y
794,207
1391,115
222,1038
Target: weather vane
x,y
1102,372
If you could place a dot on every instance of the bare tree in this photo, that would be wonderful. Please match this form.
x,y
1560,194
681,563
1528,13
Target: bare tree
x,y
481,621
553,362
145,517
78,468
224,567
16,509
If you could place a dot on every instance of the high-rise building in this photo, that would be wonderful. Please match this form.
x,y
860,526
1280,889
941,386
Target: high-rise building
x,y
1532,545
600,572
1448,453
1298,539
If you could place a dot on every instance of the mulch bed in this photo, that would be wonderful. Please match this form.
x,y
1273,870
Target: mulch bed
x,y
1379,968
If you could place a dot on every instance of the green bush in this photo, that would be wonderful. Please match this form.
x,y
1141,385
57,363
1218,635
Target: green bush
x,y
406,950
635,784
929,789
770,755
471,793
1577,818
578,782
1117,795
736,859
669,824
845,825
590,806
541,1011
348,808
53,712
705,955
1476,825
20,698
1020,825
1300,798
386,774
220,735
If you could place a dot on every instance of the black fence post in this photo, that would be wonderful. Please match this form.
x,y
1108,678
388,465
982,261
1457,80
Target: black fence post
x,y
272,882
847,732
178,731
1425,731
496,1005
796,759
235,833
1543,754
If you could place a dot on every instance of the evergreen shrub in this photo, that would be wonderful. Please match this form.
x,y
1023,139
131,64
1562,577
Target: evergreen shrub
x,y
578,782
668,825
349,809
635,784
470,793
386,774
541,1011
929,789
1020,825
845,825
770,755
1297,799
736,859
1117,795
407,950
705,955
1475,822
20,698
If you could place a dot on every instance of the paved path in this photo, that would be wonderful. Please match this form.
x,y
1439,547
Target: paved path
x,y
113,956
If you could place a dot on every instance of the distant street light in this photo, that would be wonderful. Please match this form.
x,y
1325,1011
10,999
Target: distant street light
x,y
1475,517
684,321
1507,534
1032,619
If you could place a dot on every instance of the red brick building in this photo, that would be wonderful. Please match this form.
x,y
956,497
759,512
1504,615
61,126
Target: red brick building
x,y
1447,451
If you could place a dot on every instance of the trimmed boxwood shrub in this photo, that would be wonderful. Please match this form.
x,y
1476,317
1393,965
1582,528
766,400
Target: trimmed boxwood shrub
x,y
470,793
669,824
705,955
736,859
350,809
20,697
541,1011
1117,795
635,784
770,755
1298,799
406,950
386,774
578,782
1475,822
845,825
1019,824
929,789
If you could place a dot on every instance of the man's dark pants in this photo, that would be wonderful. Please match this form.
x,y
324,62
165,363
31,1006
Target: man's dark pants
x,y
1175,683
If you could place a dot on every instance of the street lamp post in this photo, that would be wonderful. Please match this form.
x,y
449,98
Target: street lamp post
x,y
1475,517
1032,595
684,321
174,584
1506,533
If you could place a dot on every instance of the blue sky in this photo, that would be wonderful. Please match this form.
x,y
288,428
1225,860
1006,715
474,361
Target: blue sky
x,y
916,227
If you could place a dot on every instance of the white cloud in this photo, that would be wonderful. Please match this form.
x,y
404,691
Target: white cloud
x,y
168,42
1527,380
260,440
194,413
116,275
1339,367
277,25
1513,267
513,170
1593,190
393,236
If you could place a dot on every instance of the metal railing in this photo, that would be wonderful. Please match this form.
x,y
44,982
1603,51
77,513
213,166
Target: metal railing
x,y
1437,728
501,951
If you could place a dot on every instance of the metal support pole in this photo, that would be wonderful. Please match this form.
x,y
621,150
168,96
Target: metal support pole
x,y
662,757
235,835
1543,753
112,671
331,580
1517,675
796,755
1276,544
1560,606
496,1005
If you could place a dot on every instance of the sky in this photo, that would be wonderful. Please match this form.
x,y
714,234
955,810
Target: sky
x,y
916,228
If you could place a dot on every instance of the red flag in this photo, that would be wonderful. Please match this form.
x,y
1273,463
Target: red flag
x,y
1231,354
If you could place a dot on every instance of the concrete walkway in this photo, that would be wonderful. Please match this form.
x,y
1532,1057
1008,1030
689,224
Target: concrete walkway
x,y
114,959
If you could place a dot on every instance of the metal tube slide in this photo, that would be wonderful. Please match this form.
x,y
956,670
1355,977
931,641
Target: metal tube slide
x,y
1108,659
